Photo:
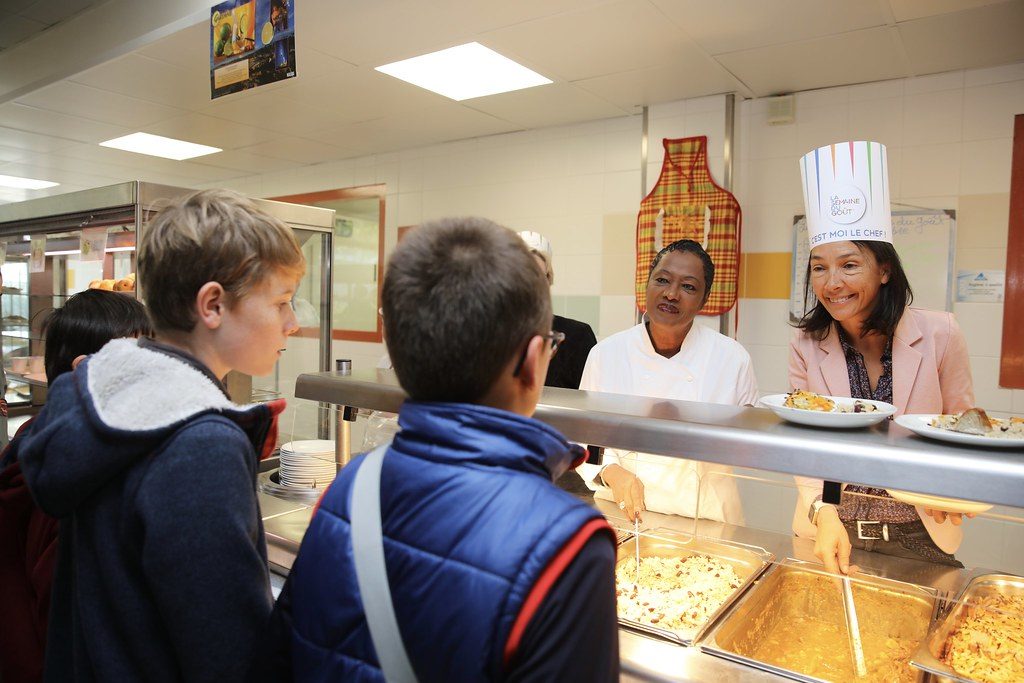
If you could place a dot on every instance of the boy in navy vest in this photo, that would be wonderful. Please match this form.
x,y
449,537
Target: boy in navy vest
x,y
151,469
494,572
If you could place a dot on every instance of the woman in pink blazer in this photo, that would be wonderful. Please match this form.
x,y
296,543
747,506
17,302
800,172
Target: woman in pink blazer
x,y
862,340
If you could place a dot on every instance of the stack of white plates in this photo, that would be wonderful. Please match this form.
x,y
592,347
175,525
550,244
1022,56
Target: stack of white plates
x,y
307,464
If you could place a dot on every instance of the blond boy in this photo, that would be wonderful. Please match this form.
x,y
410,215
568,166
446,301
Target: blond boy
x,y
150,467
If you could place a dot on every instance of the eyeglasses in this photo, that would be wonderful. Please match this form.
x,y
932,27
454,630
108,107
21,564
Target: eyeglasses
x,y
556,339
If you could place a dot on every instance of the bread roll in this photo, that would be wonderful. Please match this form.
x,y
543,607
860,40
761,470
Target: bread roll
x,y
95,284
124,285
107,285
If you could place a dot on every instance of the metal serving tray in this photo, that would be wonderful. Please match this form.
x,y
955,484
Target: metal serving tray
x,y
748,561
983,584
724,640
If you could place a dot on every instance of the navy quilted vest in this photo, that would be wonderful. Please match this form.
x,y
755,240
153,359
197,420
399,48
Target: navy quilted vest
x,y
470,520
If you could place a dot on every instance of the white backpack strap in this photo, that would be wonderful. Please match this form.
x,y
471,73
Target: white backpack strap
x,y
371,572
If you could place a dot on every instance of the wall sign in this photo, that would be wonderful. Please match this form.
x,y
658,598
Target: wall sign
x,y
980,286
252,43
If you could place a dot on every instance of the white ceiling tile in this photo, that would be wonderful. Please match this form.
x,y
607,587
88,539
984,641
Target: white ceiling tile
x,y
188,48
299,150
76,99
137,163
14,6
240,160
15,28
27,170
427,126
13,154
906,10
547,105
375,33
872,54
151,80
50,12
591,42
272,111
691,75
732,25
33,119
209,130
985,36
20,139
62,161
360,94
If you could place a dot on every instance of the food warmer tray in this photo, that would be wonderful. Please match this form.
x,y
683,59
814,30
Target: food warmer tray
x,y
982,584
737,622
747,560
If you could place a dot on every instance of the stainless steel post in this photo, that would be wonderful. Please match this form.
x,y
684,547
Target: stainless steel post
x,y
346,416
725,320
343,444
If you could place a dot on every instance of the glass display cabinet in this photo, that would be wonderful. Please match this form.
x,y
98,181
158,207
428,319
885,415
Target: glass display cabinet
x,y
55,248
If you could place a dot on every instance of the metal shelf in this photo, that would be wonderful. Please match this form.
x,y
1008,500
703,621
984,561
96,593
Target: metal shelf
x,y
886,455
26,378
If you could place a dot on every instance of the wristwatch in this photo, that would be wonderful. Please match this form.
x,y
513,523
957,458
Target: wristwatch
x,y
815,509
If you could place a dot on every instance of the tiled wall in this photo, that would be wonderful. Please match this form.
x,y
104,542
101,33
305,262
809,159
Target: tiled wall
x,y
948,139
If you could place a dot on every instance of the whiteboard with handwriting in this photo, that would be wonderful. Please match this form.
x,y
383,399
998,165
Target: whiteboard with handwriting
x,y
926,243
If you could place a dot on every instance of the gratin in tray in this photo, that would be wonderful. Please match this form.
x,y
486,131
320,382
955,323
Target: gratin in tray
x,y
929,654
791,624
746,560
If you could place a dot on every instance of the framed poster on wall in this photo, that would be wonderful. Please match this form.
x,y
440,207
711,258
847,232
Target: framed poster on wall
x,y
252,43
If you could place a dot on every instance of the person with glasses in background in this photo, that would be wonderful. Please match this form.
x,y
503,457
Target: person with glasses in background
x,y
566,369
669,356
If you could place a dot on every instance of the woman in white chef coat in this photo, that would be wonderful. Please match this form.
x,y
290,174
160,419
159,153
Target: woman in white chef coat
x,y
668,356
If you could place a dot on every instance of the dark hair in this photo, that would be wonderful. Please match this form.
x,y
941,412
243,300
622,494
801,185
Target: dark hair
x,y
893,297
86,322
693,248
461,297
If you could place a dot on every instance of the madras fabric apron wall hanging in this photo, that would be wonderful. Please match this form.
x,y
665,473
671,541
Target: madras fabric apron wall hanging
x,y
686,203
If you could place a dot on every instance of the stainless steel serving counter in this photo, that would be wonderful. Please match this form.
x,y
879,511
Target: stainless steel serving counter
x,y
643,657
886,455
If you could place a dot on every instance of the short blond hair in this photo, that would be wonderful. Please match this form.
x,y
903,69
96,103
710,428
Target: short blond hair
x,y
210,236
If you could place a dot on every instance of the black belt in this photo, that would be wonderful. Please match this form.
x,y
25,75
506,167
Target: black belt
x,y
871,530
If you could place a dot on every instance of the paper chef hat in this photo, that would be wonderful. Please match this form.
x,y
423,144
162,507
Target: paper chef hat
x,y
846,193
539,245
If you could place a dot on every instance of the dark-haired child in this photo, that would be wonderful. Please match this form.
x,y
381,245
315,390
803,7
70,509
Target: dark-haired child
x,y
28,537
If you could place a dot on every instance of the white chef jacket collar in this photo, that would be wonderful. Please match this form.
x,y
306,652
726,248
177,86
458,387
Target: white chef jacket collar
x,y
686,351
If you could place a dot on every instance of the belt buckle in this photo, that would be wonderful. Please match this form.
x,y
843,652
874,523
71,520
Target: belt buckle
x,y
860,531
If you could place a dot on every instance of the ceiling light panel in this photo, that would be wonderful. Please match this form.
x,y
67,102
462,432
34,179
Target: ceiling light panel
x,y
464,72
159,146
25,183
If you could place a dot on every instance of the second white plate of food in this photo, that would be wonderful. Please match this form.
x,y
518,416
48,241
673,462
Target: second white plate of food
x,y
840,417
921,424
938,502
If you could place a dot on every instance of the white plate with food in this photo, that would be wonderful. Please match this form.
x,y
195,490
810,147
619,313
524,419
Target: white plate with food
x,y
938,502
816,410
968,428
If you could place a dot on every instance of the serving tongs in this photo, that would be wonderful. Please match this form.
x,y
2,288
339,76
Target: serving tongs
x,y
636,546
853,629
